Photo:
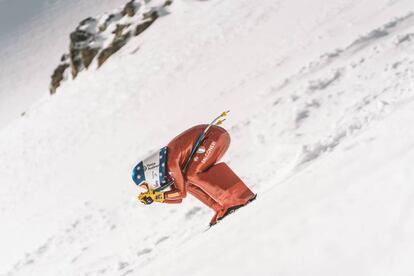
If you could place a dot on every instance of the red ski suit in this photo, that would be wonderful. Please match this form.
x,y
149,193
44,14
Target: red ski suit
x,y
216,185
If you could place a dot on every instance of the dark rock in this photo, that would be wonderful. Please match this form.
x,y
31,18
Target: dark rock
x,y
111,18
142,27
57,77
108,21
64,58
167,3
88,54
87,21
119,30
117,44
150,17
79,39
75,61
129,9
80,36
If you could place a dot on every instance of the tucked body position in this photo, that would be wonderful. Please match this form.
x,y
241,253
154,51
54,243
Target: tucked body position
x,y
189,164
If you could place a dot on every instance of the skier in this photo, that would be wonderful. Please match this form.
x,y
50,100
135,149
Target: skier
x,y
190,165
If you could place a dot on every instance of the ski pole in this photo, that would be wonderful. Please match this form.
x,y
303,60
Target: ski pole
x,y
217,121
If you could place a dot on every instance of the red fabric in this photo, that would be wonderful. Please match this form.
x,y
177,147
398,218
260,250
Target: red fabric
x,y
216,185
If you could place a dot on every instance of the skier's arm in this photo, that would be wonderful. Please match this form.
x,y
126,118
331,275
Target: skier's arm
x,y
178,191
173,201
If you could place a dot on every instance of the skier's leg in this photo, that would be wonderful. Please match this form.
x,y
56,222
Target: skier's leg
x,y
223,185
203,197
210,151
218,181
207,200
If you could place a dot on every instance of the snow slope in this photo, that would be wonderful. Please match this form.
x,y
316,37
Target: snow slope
x,y
321,99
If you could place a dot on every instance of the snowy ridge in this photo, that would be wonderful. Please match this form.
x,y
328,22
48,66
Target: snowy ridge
x,y
321,103
95,40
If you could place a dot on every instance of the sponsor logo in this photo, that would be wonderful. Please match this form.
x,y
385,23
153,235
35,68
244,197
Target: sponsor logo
x,y
208,152
201,150
150,166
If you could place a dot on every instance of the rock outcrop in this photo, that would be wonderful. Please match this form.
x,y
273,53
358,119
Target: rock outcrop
x,y
59,74
99,38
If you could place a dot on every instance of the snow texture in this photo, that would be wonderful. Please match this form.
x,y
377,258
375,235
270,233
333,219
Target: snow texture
x,y
321,99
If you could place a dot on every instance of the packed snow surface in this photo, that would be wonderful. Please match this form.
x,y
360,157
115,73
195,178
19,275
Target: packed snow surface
x,y
322,102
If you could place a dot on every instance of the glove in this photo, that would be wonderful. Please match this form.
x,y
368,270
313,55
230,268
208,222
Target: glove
x,y
151,196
